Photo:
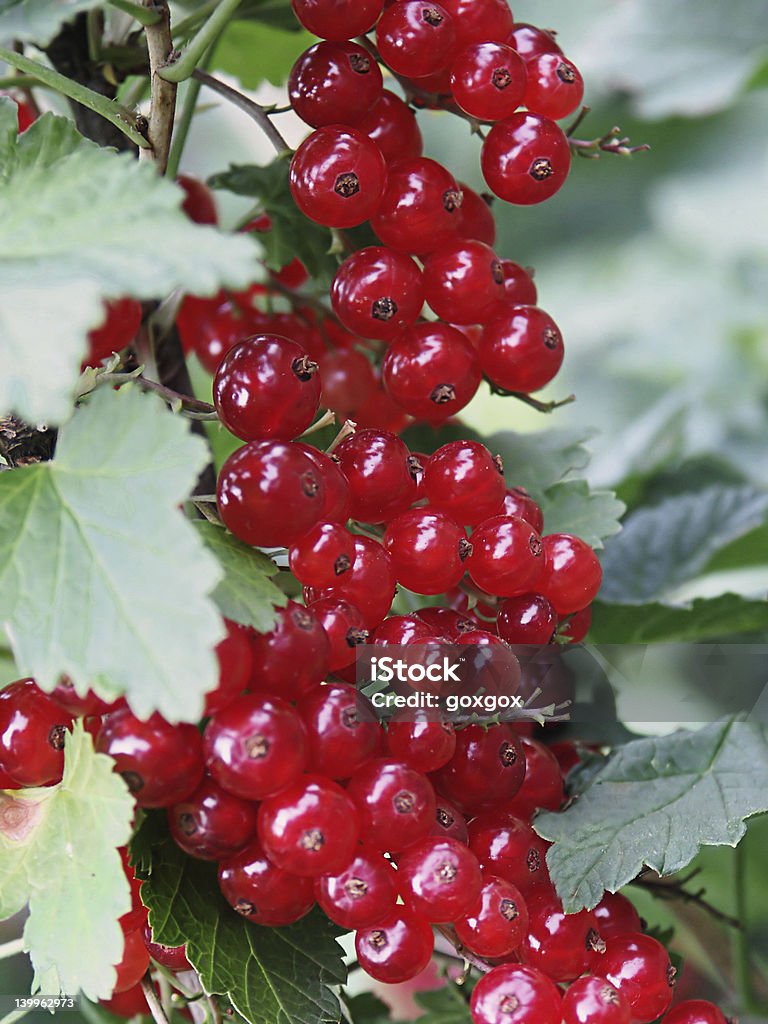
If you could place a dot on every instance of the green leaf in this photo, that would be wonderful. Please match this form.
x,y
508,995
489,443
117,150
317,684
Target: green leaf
x,y
58,853
571,507
446,1005
277,49
246,594
654,805
537,461
38,21
79,224
366,1008
292,234
101,576
276,13
271,975
662,547
704,619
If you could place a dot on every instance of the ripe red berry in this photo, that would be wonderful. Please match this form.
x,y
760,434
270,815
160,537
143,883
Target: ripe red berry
x,y
518,502
488,80
199,204
267,386
322,555
209,328
616,915
423,740
344,626
449,822
577,626
259,482
554,88
334,83
396,949
463,281
543,785
134,962
463,479
507,556
639,967
377,292
65,695
519,289
361,895
172,957
376,465
337,19
265,894
255,746
310,828
396,804
530,41
432,371
439,878
509,848
369,584
342,730
33,729
557,943
525,159
392,125
593,1000
415,38
235,664
122,319
420,208
211,823
521,348
337,497
513,994
428,550
349,382
497,921
401,630
160,763
26,114
486,769
480,20
338,177
293,657
475,216
527,619
571,575
695,1011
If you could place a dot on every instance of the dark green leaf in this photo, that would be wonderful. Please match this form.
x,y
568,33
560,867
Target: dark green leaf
x,y
655,804
447,1005
277,13
366,1008
571,507
704,619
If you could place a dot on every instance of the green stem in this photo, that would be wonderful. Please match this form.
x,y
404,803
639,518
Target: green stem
x,y
19,82
144,15
182,68
183,28
113,112
11,948
155,1007
750,1002
14,1015
181,129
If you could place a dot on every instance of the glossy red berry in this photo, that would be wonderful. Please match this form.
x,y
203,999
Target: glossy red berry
x,y
479,20
235,664
344,626
557,943
554,88
338,177
476,217
530,41
401,630
463,281
334,83
265,894
209,328
519,289
33,729
521,348
396,804
527,619
377,292
337,19
396,949
423,739
212,823
392,125
543,785
593,1000
122,319
514,994
342,730
571,575
432,371
509,848
518,502
134,962
361,895
428,550
255,746
463,479
198,204
616,915
322,555
267,386
486,769
507,556
420,208
369,584
449,822
293,657
497,921
695,1011
488,80
577,626
65,695
525,159
172,957
639,967
160,763
337,498
310,828
416,39
439,878
259,482
376,465
349,382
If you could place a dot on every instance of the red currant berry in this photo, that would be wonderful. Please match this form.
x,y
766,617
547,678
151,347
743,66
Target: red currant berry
x,y
199,204
449,822
695,1011
439,878
129,1003
265,894
445,622
421,206
555,87
334,83
396,949
255,746
377,292
488,80
427,549
211,823
401,630
256,485
639,967
616,915
369,585
25,112
543,785
525,159
310,828
415,38
512,994
122,319
463,479
509,848
463,281
572,574
396,804
486,769
376,465
348,382
172,957
364,893
497,921
479,20
527,619
266,386
518,502
209,328
67,697
235,665
530,41
337,497
519,289
557,943
293,657
423,740
32,733
507,556
344,627
322,555
338,177
342,730
475,217
593,1000
337,19
521,348
392,125
134,962
160,763
577,626
431,371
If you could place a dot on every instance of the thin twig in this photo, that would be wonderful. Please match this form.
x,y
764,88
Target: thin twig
x,y
611,142
152,1001
163,103
534,403
248,106
675,890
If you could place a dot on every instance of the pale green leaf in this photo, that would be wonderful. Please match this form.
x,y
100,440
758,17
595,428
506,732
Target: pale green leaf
x,y
571,507
38,21
58,853
101,576
537,461
704,619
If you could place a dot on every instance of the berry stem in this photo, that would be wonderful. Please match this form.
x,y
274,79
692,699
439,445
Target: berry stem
x,y
12,948
675,890
153,1002
184,66
448,932
534,403
254,110
145,15
163,93
325,420
611,142
347,429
